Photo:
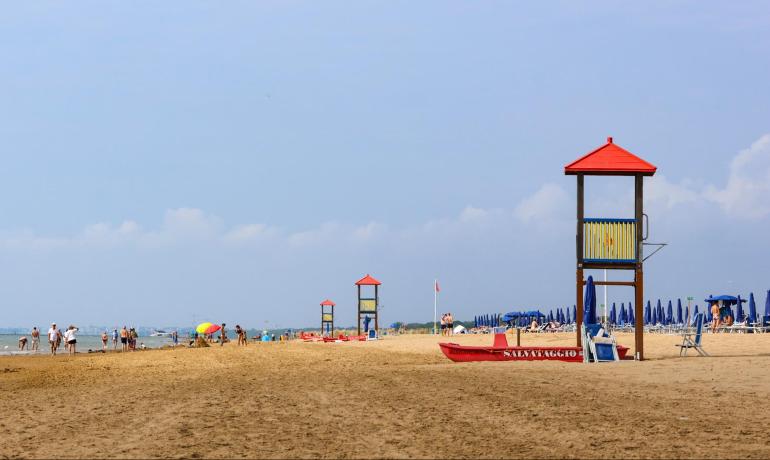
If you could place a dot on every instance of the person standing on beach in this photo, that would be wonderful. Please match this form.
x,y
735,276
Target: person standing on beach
x,y
124,339
115,339
105,338
222,336
69,336
53,338
35,339
175,338
716,319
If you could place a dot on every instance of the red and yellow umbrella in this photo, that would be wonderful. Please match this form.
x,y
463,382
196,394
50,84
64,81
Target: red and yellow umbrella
x,y
207,328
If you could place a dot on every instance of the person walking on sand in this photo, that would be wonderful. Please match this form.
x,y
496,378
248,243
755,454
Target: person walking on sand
x,y
239,334
124,339
53,338
69,336
115,339
222,335
35,339
105,338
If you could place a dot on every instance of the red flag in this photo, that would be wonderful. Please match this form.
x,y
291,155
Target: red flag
x,y
437,288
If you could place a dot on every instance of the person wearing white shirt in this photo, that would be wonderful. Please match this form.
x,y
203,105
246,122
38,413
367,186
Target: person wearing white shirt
x,y
53,336
70,339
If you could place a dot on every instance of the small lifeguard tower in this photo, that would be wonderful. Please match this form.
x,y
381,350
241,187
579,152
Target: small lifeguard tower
x,y
327,317
368,305
611,243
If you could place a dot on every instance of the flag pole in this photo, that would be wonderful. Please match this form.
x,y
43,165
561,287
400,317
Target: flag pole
x,y
435,304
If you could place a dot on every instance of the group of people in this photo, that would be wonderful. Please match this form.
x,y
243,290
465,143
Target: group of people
x,y
447,324
56,337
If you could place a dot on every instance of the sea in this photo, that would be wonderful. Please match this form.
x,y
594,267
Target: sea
x,y
9,344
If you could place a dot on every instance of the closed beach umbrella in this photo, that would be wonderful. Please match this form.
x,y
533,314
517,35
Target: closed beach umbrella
x,y
739,310
695,311
670,313
589,302
631,314
752,309
654,316
574,310
658,311
687,312
622,318
569,320
613,314
679,311
767,304
647,313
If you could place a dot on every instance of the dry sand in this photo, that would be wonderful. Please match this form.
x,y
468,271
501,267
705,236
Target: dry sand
x,y
398,397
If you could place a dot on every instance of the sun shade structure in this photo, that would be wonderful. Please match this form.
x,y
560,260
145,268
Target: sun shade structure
x,y
327,318
610,160
207,328
368,281
368,306
611,243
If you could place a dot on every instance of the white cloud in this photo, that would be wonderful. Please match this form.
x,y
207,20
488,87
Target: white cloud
x,y
659,191
747,192
549,202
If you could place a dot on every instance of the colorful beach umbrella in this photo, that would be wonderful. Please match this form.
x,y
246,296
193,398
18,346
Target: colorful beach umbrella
x,y
589,302
679,319
207,328
752,309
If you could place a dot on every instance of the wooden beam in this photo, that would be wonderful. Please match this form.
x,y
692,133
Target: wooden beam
x,y
579,255
639,275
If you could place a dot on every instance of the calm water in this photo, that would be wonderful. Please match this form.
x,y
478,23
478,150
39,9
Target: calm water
x,y
9,344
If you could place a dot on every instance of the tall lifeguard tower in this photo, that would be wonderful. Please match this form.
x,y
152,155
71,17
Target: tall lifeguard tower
x,y
327,317
368,305
611,243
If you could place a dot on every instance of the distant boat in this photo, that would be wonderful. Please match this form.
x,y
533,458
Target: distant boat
x,y
160,333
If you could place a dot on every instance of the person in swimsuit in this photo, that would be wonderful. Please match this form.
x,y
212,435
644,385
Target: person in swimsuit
x,y
222,336
124,339
115,339
715,322
443,324
53,338
22,342
35,339
105,338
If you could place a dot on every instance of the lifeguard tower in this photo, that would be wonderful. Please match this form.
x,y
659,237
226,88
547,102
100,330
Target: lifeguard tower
x,y
327,318
611,243
368,305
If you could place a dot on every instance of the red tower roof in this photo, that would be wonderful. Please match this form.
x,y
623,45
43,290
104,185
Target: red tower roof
x,y
368,281
327,303
610,160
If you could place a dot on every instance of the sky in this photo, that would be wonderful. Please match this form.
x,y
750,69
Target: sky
x,y
166,163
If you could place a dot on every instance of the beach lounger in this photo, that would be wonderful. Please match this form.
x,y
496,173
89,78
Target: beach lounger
x,y
598,346
693,340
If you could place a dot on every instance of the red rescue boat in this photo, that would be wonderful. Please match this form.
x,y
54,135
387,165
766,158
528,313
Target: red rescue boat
x,y
500,351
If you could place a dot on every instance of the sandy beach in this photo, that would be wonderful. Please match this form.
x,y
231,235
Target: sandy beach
x,y
399,397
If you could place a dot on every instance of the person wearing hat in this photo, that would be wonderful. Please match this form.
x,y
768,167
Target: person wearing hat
x,y
53,337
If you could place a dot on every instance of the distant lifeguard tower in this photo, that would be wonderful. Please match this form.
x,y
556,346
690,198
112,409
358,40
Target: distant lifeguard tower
x,y
327,317
611,243
368,305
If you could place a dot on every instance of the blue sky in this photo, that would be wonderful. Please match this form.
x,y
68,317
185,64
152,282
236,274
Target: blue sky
x,y
241,161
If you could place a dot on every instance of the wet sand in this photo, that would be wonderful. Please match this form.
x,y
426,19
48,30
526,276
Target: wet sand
x,y
399,397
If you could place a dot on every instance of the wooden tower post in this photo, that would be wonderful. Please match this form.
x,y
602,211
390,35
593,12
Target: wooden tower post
x,y
368,305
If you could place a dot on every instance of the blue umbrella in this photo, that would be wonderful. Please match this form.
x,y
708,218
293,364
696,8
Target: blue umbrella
x,y
475,321
752,309
679,311
613,314
623,317
739,310
687,313
631,314
648,313
569,320
669,313
550,316
695,311
589,303
574,311
658,311
654,316
767,304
